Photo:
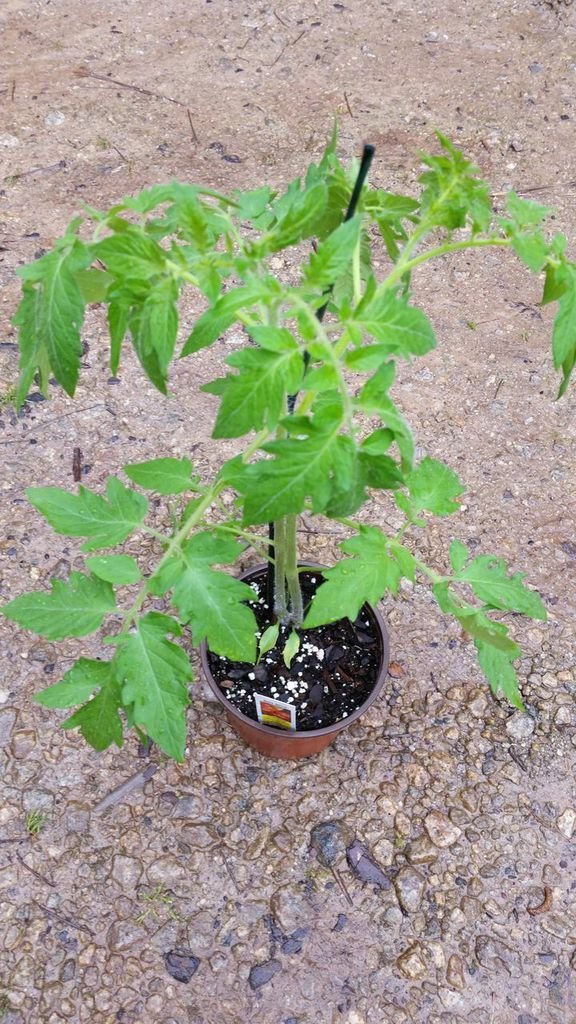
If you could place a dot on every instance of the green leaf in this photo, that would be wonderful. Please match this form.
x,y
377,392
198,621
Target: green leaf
x,y
93,284
268,639
120,569
434,487
403,330
531,248
117,326
303,467
458,555
453,194
131,255
79,683
373,399
165,476
212,324
274,339
254,398
488,577
98,721
104,522
524,212
365,577
212,602
73,608
332,255
564,331
191,217
33,353
253,203
153,673
58,311
291,648
499,671
303,210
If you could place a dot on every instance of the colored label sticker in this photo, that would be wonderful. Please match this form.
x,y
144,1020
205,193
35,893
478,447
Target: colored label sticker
x,y
275,712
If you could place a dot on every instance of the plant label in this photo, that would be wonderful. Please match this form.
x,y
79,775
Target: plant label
x,y
275,712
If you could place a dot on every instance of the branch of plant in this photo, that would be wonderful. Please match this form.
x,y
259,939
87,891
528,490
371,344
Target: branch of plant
x,y
403,267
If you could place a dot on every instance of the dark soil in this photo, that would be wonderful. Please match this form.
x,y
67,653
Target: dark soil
x,y
331,676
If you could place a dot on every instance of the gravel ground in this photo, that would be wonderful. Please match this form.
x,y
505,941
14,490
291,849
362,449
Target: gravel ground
x,y
198,897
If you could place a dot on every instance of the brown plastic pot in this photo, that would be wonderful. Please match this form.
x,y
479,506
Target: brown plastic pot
x,y
289,745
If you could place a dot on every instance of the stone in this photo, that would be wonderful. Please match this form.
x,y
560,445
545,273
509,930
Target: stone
x,y
409,886
520,726
261,974
411,962
291,908
421,851
126,871
455,972
181,964
328,843
441,830
495,955
123,934
566,822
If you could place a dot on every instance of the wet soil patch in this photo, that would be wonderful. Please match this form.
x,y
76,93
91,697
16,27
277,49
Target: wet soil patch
x,y
332,675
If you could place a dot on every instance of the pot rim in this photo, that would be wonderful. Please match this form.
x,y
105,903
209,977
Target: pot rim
x,y
295,734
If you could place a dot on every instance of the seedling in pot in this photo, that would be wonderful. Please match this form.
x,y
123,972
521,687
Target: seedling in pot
x,y
345,438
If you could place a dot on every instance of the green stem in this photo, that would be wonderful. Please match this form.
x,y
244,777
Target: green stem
x,y
280,609
356,272
291,570
405,266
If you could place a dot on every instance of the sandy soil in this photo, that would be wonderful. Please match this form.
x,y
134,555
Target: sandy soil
x,y
213,858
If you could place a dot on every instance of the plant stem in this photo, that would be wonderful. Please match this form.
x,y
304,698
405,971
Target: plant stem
x,y
280,608
404,266
291,572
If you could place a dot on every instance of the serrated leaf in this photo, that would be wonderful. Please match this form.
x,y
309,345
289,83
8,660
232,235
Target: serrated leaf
x,y
488,577
117,326
79,683
365,577
191,217
73,608
268,639
403,330
532,248
499,672
291,648
302,467
434,487
221,315
120,569
564,331
33,353
59,308
213,602
254,398
93,284
275,339
298,220
373,399
131,254
99,721
165,476
458,555
525,212
333,255
104,522
453,194
153,673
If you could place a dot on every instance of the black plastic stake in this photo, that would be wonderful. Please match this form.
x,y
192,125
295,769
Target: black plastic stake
x,y
367,157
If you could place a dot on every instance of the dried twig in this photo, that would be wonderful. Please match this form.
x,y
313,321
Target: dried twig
x,y
192,128
66,920
33,871
283,50
118,794
55,419
84,73
543,907
13,90
348,105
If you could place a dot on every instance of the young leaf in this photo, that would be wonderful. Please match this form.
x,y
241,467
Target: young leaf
x,y
33,353
212,602
373,399
165,476
212,324
73,608
499,671
154,325
333,255
352,582
291,648
297,223
453,194
458,555
488,578
120,569
118,312
254,398
153,673
104,522
564,332
403,330
434,487
524,212
268,639
79,683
